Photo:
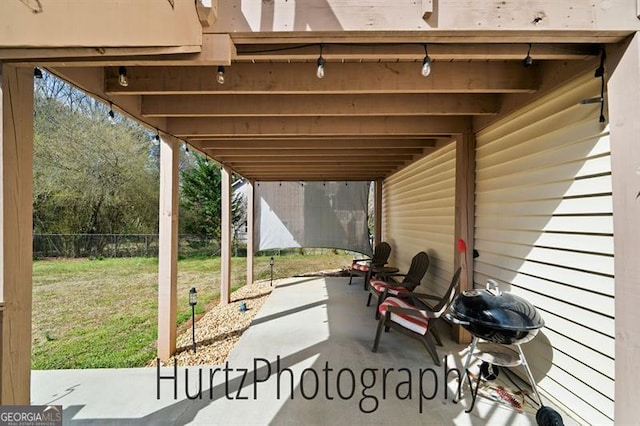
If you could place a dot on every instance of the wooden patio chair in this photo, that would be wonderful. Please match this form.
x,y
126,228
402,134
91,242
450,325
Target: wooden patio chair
x,y
413,314
362,267
381,288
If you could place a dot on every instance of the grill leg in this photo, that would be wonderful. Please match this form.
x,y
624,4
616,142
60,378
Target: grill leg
x,y
472,347
523,359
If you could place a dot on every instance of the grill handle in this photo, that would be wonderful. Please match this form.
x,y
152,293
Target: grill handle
x,y
455,320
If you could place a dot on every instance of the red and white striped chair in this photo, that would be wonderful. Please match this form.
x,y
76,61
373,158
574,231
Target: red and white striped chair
x,y
413,314
362,267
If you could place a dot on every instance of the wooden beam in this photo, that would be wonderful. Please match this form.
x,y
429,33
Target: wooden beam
x,y
389,51
464,217
168,246
345,154
320,126
441,36
250,230
328,159
327,169
316,176
297,78
336,144
16,188
100,23
216,49
292,20
623,89
51,56
318,105
225,240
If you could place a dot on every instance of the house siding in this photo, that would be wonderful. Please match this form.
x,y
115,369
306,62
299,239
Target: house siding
x,y
418,215
544,231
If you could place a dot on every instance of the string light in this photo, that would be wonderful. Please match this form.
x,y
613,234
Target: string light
x,y
220,75
122,77
426,64
320,69
528,60
37,73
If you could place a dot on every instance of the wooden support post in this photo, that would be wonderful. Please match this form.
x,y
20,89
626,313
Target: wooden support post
x,y
624,104
16,191
377,212
225,240
168,246
464,216
250,227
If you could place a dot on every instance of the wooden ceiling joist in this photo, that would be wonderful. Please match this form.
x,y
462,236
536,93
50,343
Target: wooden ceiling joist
x,y
319,152
340,78
286,157
318,126
338,145
319,105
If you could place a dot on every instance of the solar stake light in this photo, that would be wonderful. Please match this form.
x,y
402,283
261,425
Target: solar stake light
x,y
193,301
271,265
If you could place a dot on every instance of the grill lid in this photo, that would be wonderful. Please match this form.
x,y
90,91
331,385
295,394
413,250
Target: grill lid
x,y
496,310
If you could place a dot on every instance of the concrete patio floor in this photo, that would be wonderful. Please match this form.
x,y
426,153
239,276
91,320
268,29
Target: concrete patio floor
x,y
306,359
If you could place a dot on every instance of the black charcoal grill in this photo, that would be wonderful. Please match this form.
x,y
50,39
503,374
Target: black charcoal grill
x,y
503,322
496,316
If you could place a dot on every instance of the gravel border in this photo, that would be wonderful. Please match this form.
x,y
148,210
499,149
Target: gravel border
x,y
218,330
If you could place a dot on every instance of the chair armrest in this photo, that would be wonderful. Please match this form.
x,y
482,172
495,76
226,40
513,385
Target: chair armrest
x,y
391,283
426,296
396,274
418,298
411,311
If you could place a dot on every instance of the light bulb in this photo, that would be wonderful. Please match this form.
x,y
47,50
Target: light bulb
x,y
220,75
426,66
528,60
320,70
122,77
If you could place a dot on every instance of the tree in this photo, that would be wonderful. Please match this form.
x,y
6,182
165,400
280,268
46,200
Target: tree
x,y
90,175
201,200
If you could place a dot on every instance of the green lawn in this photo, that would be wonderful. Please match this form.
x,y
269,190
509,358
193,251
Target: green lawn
x,y
103,313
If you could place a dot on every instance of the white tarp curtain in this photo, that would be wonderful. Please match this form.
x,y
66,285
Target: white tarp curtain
x,y
312,215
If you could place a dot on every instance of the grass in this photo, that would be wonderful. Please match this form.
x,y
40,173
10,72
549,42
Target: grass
x,y
103,313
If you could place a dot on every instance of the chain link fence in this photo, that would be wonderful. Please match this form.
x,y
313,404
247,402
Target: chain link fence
x,y
120,245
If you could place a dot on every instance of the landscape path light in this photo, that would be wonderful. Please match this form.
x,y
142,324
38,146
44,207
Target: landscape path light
x,y
193,301
271,265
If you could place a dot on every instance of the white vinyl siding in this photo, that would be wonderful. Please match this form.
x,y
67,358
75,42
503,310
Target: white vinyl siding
x,y
418,215
544,230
